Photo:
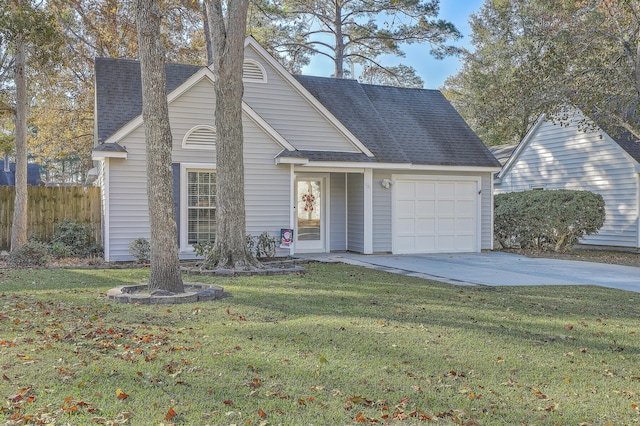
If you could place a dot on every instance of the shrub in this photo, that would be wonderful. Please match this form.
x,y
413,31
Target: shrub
x,y
59,250
33,253
261,247
77,236
266,246
140,248
547,220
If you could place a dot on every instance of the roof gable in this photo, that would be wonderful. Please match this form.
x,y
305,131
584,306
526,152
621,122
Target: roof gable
x,y
119,91
180,79
626,143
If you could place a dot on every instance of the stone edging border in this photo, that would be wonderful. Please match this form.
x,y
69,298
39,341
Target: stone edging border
x,y
193,293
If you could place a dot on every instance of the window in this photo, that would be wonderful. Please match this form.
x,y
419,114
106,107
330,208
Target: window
x,y
201,205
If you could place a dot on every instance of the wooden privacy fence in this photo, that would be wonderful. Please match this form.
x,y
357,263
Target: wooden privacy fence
x,y
48,205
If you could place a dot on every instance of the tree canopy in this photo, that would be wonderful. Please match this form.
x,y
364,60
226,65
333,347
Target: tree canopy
x,y
362,32
534,57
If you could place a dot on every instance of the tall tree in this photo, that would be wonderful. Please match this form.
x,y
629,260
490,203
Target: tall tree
x,y
165,265
362,31
29,32
227,23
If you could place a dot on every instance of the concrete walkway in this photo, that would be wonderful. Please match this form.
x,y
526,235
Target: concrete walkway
x,y
494,269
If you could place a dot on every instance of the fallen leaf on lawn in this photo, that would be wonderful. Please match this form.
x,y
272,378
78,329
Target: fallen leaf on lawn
x,y
261,413
121,395
170,414
227,402
540,395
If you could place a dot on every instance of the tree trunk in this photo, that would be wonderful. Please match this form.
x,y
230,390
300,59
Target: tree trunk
x,y
230,249
339,53
165,265
19,226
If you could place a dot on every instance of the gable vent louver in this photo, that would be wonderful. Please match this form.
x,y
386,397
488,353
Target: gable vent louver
x,y
200,137
254,72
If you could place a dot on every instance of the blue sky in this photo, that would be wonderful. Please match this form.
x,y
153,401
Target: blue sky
x,y
433,72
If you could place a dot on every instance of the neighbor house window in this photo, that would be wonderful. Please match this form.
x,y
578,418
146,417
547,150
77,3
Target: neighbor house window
x,y
201,206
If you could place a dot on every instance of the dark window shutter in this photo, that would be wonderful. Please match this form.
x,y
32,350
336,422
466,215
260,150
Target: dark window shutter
x,y
175,167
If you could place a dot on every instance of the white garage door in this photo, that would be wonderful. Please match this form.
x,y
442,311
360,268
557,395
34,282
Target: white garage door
x,y
435,216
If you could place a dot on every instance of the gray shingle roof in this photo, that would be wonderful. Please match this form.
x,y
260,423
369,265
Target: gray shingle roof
x,y
402,125
119,91
503,152
626,140
327,156
397,125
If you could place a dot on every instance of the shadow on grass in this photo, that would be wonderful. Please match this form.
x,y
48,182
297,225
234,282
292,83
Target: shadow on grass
x,y
593,317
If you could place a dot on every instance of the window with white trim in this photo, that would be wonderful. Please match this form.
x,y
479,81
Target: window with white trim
x,y
200,137
201,205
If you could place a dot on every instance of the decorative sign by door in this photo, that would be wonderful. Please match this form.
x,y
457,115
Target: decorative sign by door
x,y
286,238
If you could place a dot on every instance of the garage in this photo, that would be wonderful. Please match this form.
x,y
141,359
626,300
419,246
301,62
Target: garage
x,y
436,215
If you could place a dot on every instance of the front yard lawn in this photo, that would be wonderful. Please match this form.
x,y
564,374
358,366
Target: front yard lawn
x,y
340,345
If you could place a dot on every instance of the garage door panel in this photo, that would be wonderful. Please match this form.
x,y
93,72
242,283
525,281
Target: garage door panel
x,y
426,244
406,208
425,190
425,208
435,216
446,208
465,226
465,206
405,244
466,190
445,190
426,226
406,226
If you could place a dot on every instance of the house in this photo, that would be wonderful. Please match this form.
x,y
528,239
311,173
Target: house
x,y
568,156
346,166
8,178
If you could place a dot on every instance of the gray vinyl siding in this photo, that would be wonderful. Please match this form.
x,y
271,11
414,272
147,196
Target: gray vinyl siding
x,y
567,157
338,232
266,185
381,213
486,221
292,115
355,206
382,207
127,200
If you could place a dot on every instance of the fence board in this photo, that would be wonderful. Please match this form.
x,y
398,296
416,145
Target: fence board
x,y
48,205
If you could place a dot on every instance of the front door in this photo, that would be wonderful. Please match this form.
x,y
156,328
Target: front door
x,y
310,214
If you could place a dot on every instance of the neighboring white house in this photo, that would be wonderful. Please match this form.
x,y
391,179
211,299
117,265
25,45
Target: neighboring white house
x,y
347,166
553,156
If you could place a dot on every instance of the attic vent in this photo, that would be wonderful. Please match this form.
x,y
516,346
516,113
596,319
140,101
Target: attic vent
x,y
254,72
200,137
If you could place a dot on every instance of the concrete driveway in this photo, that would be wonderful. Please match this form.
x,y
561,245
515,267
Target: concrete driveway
x,y
495,269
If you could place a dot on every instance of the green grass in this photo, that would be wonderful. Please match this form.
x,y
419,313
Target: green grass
x,y
340,345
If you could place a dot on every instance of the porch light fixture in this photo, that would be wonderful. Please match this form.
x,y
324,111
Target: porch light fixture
x,y
386,183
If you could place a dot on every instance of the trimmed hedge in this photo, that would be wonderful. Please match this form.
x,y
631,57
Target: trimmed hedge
x,y
547,220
